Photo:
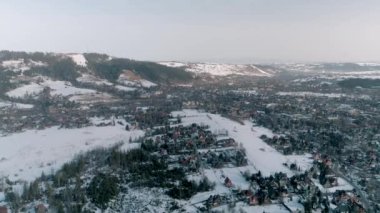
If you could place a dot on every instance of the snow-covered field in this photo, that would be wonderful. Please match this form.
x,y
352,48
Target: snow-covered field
x,y
57,88
125,88
24,156
261,156
63,88
7,104
147,84
91,79
29,89
135,83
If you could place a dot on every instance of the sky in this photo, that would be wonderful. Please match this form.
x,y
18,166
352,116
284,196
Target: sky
x,y
231,31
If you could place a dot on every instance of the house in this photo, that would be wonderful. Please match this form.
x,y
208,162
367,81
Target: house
x,y
3,209
228,182
253,200
214,201
331,181
41,208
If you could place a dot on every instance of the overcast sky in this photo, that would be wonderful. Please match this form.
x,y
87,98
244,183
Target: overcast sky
x,y
239,31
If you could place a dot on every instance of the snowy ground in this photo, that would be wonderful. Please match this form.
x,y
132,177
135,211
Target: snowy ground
x,y
218,176
342,185
147,84
91,79
7,104
316,94
360,74
135,83
63,88
78,59
172,64
219,69
141,200
57,88
271,208
21,64
227,69
124,88
245,92
260,155
29,89
24,156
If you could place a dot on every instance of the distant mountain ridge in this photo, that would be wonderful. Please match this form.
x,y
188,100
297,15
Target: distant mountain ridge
x,y
221,69
270,70
83,78
71,66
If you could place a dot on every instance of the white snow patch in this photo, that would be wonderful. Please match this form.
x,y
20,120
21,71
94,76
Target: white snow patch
x,y
24,156
21,64
15,65
226,69
147,84
63,88
294,204
88,78
7,104
124,88
32,89
245,92
172,64
78,59
342,185
125,80
370,64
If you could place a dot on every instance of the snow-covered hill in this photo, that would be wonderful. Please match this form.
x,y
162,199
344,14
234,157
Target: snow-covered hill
x,y
215,69
21,71
334,70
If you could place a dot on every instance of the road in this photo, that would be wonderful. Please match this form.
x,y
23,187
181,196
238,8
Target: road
x,y
363,198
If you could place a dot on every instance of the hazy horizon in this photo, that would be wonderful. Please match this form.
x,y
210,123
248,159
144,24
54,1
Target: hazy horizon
x,y
241,31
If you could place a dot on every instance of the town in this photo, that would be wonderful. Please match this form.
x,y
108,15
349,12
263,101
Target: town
x,y
291,142
340,131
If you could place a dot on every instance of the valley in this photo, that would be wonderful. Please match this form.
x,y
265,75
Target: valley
x,y
187,137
